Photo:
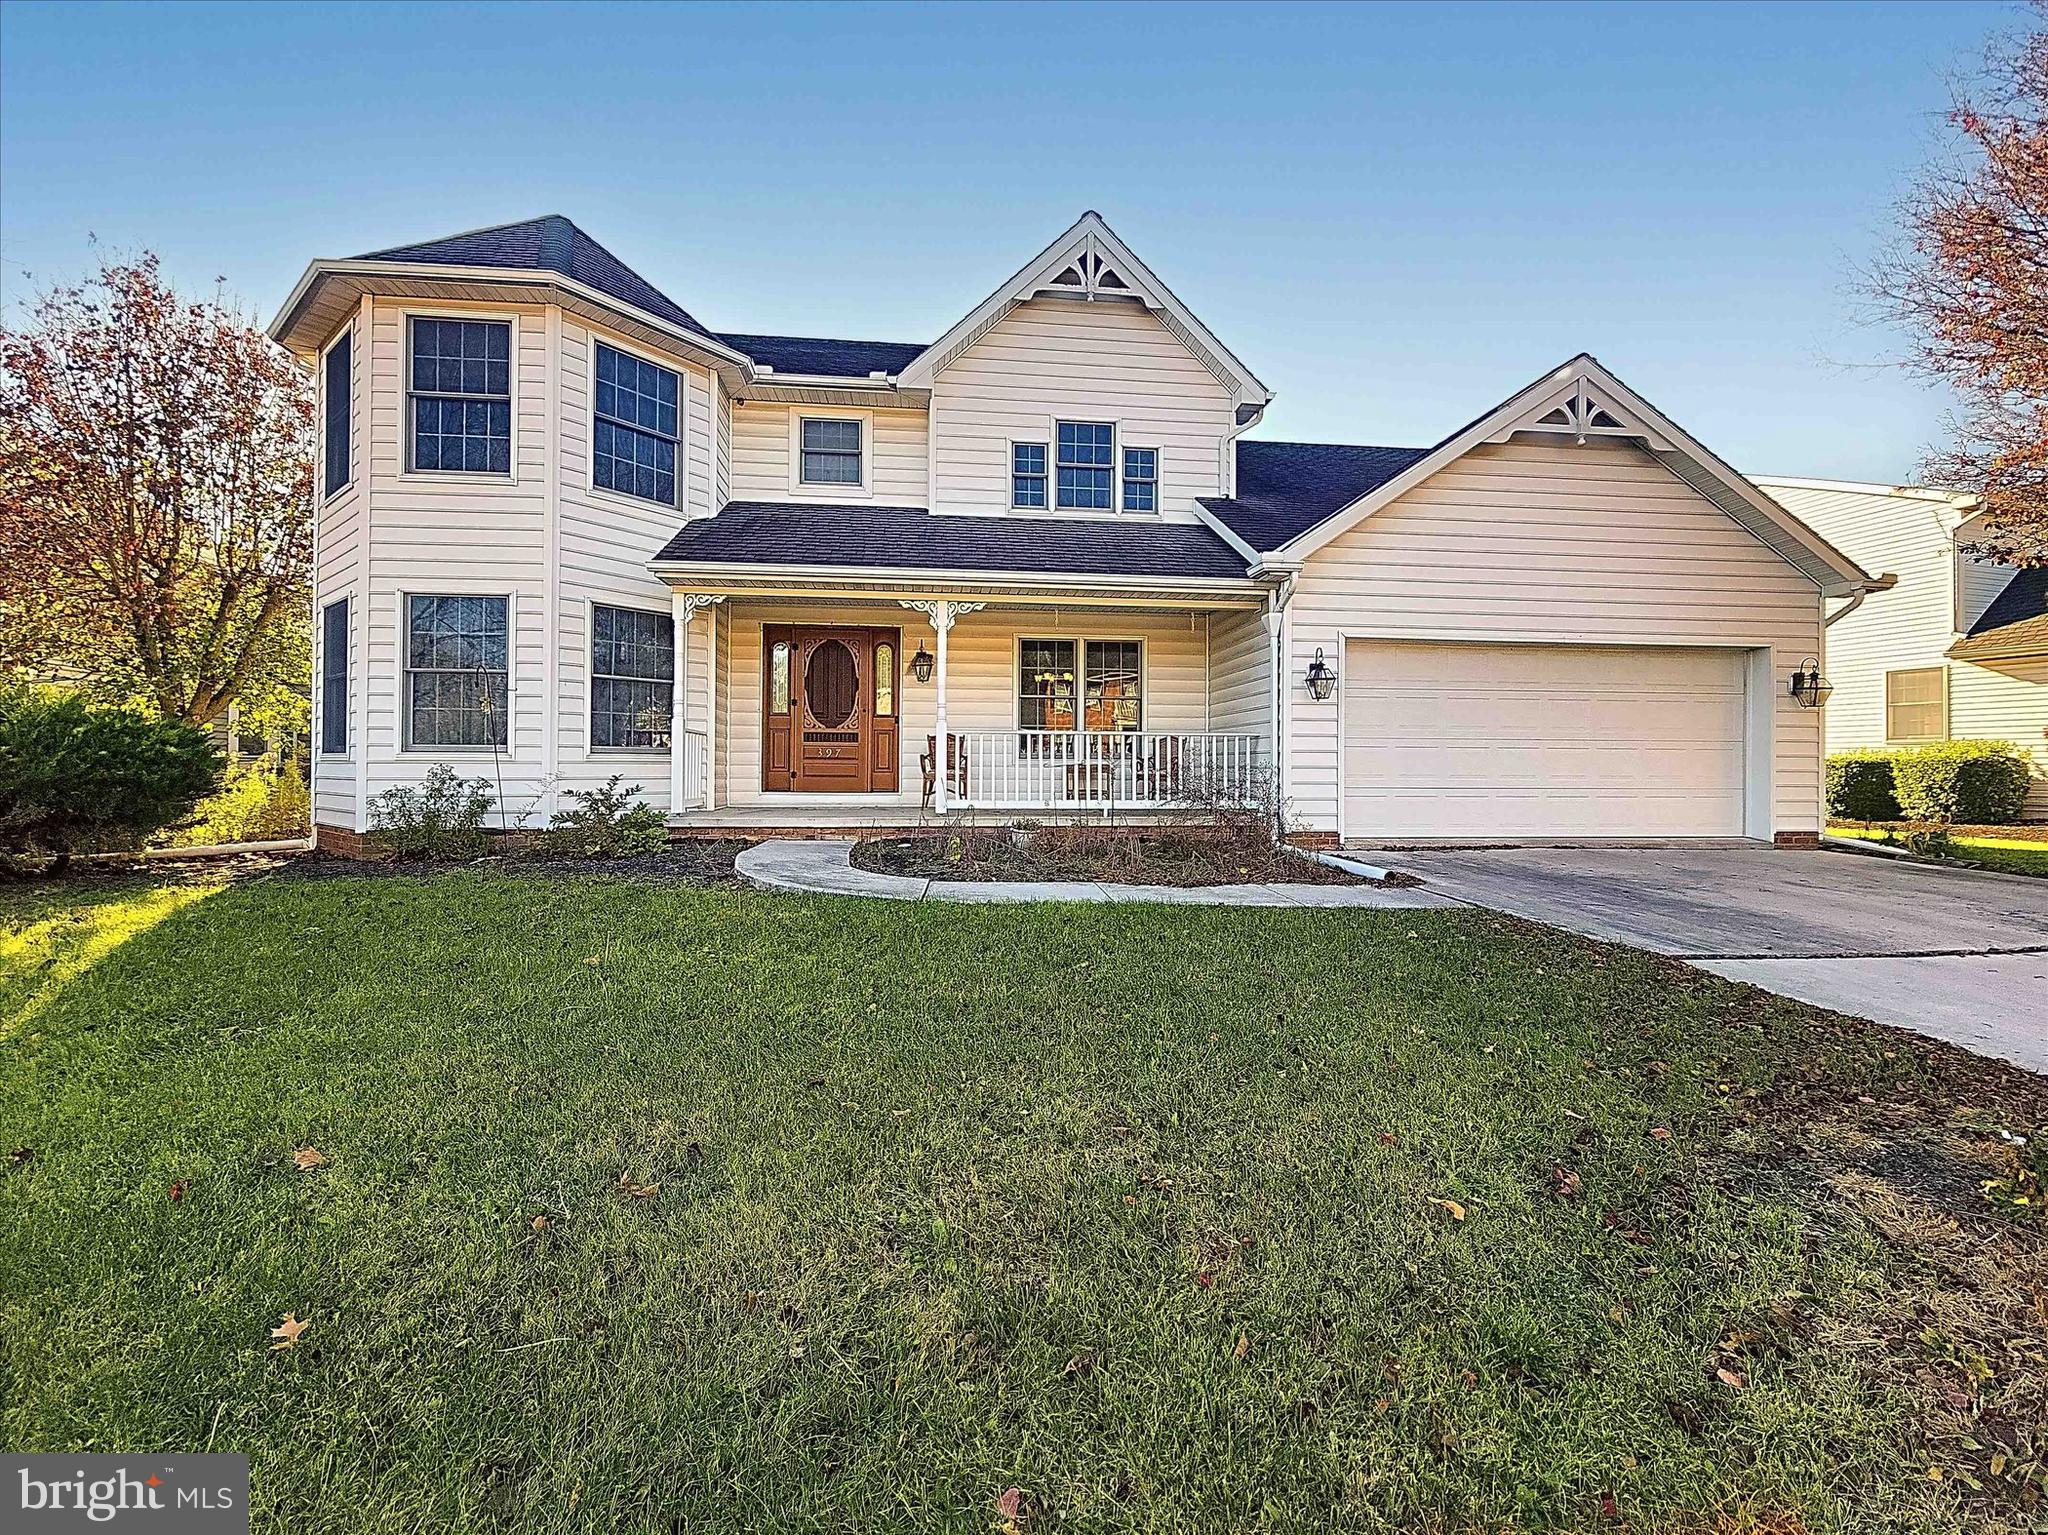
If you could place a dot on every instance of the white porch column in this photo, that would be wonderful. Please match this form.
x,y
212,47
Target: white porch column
x,y
942,625
941,611
684,606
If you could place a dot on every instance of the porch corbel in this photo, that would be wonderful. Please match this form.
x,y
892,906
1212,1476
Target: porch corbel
x,y
684,606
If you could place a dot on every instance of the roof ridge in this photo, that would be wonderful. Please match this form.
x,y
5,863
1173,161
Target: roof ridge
x,y
777,335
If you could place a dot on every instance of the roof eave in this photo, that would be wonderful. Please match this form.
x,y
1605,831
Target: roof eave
x,y
711,352
910,575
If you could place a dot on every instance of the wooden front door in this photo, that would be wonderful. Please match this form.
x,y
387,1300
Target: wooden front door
x,y
829,698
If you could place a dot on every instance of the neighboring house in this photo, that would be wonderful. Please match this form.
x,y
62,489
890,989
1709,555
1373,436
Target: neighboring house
x,y
569,531
1957,650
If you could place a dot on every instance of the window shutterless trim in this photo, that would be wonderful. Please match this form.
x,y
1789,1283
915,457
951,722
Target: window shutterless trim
x,y
1940,703
590,607
826,490
1078,465
1040,477
405,671
407,425
329,678
332,487
1149,481
619,423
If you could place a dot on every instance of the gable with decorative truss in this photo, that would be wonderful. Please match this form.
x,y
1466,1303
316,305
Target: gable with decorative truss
x,y
1089,262
1579,410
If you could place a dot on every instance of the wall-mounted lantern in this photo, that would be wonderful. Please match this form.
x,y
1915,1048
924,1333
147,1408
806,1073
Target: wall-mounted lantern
x,y
1321,680
1808,686
921,665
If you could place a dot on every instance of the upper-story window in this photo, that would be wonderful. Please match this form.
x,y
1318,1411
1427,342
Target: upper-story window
x,y
634,433
461,395
1027,474
830,451
1141,479
335,384
1087,466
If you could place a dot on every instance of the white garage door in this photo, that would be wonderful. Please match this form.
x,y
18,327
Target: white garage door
x,y
1473,740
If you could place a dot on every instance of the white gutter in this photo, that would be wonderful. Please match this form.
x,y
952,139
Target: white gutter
x,y
1883,583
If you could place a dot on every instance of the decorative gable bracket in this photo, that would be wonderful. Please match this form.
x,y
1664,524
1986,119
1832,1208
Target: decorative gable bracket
x,y
1580,409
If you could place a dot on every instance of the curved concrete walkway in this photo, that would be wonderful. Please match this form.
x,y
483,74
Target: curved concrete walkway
x,y
826,868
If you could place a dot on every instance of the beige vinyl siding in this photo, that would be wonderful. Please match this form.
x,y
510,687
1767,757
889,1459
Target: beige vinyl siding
x,y
1240,673
2005,701
1056,359
457,534
761,460
606,540
340,531
1978,583
1561,543
1907,627
981,685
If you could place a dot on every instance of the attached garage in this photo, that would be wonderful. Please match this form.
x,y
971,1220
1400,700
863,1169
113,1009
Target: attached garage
x,y
1474,740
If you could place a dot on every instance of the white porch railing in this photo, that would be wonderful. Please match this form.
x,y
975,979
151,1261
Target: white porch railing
x,y
696,761
1101,769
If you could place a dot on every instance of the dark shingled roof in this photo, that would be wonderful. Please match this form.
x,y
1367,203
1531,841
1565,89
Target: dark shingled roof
x,y
1286,488
911,537
548,244
835,359
2016,623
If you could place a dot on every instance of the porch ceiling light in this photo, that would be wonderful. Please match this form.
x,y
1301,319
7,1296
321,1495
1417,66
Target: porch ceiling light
x,y
1322,678
1808,686
921,665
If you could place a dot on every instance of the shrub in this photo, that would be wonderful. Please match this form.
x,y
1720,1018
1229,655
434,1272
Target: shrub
x,y
78,778
1966,783
441,817
258,803
1860,787
605,823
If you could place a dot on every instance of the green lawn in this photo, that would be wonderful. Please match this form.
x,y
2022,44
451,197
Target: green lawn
x,y
2001,855
659,1210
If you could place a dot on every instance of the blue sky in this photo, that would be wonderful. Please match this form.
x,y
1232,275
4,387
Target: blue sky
x,y
1395,215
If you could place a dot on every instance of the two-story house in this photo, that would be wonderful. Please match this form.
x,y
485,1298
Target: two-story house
x,y
568,530
1957,650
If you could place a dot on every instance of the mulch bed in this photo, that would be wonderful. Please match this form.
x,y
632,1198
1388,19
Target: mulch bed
x,y
2032,832
699,862
1194,858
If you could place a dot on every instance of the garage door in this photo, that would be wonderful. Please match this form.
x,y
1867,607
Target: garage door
x,y
1471,740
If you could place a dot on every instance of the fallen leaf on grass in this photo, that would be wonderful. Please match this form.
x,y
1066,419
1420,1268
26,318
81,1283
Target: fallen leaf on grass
x,y
1244,1346
1081,1365
287,1333
1998,1463
177,1190
541,1223
1205,1279
1728,1377
306,1159
1386,1137
1010,1510
22,1156
1564,1183
634,1190
592,959
1451,1206
1660,1134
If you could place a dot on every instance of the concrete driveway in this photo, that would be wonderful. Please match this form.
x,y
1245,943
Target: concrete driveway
x,y
1958,955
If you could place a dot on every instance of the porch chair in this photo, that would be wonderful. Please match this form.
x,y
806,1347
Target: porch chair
x,y
956,767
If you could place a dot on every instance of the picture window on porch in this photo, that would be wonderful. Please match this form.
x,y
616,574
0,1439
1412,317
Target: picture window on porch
x,y
1105,692
1915,705
457,680
632,678
831,451
1087,466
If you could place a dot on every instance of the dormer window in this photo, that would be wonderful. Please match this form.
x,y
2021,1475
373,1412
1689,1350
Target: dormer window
x,y
1087,466
830,452
1141,479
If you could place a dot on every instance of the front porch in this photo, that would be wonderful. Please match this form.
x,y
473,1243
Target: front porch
x,y
824,711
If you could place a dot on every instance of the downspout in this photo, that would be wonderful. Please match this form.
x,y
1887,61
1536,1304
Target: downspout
x,y
1883,583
